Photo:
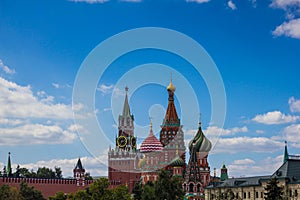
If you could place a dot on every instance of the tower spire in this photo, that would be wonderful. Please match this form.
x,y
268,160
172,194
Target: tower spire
x,y
8,168
126,108
151,126
285,155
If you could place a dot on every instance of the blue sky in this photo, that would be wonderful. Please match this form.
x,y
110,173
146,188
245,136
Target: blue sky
x,y
254,44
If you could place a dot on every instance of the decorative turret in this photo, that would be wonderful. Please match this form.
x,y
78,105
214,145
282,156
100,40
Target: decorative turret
x,y
79,173
224,174
151,143
201,142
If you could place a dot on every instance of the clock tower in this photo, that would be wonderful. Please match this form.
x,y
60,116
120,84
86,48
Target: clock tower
x,y
123,159
126,139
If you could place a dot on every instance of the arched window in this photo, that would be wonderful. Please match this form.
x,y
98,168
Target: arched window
x,y
191,187
198,187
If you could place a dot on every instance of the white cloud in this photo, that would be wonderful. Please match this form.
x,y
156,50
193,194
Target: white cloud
x,y
96,166
90,1
248,167
6,69
246,144
245,161
289,29
198,1
231,5
213,131
36,134
292,133
26,118
275,117
56,85
105,89
294,104
284,4
20,102
260,131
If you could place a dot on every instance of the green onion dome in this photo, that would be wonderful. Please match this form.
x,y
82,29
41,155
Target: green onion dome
x,y
177,162
202,144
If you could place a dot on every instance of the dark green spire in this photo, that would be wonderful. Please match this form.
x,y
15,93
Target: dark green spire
x,y
8,168
285,155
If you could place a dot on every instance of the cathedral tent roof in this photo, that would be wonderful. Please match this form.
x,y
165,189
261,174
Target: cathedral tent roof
x,y
151,143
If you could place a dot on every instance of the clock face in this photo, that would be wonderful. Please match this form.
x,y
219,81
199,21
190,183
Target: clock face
x,y
133,142
122,141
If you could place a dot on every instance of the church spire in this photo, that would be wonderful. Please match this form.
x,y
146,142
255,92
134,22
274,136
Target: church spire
x,y
8,168
126,108
171,116
285,155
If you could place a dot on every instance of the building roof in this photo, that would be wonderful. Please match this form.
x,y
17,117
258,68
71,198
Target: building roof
x,y
151,143
240,182
78,165
290,169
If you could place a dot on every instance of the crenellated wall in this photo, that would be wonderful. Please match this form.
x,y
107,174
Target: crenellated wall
x,y
48,187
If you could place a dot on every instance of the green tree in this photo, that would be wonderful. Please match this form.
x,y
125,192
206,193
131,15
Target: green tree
x,y
29,193
137,191
58,172
8,193
168,187
81,195
87,176
148,192
44,172
99,190
273,191
121,193
59,196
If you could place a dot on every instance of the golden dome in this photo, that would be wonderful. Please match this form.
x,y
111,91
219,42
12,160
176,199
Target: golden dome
x,y
171,87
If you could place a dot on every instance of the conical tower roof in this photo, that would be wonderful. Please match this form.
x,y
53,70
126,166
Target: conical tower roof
x,y
8,168
201,142
126,108
151,143
78,165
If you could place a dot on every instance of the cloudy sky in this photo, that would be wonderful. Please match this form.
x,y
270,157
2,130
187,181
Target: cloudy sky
x,y
44,46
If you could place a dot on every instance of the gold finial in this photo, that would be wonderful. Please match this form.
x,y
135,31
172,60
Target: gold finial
x,y
150,122
177,149
171,87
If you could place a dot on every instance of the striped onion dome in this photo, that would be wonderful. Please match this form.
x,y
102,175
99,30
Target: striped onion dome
x,y
202,144
151,143
177,162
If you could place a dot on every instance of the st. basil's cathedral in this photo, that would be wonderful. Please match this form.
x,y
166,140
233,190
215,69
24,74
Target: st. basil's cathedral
x,y
128,165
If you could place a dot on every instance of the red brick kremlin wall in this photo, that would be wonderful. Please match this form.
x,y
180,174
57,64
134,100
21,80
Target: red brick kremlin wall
x,y
48,187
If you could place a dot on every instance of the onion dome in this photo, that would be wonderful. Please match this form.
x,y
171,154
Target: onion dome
x,y
171,87
202,144
151,143
177,162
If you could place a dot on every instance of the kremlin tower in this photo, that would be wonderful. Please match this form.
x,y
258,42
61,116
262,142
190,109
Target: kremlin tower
x,y
123,159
